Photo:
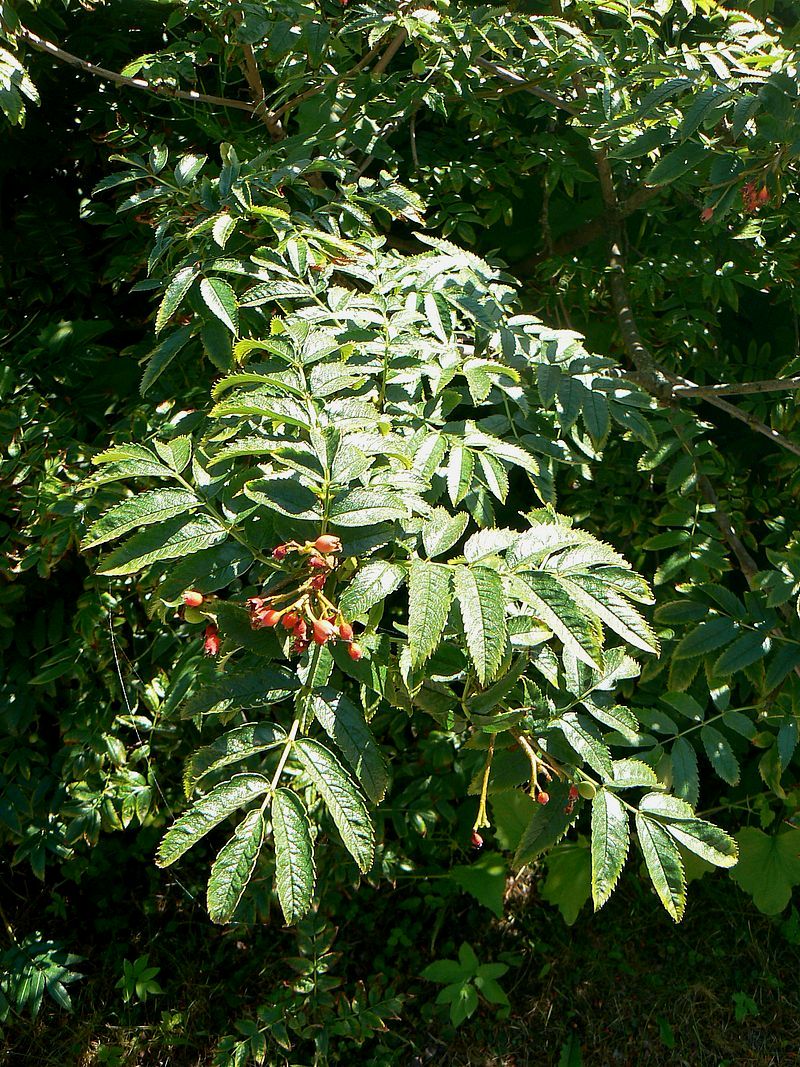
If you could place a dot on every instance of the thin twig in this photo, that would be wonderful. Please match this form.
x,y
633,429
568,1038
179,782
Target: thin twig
x,y
517,80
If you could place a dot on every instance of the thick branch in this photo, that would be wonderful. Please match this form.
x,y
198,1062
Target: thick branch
x,y
253,79
122,79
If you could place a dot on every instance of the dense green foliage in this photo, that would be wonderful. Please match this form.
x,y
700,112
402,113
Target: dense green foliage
x,y
446,358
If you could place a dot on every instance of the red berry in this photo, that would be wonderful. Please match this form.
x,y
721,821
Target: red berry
x,y
256,603
543,798
476,839
763,195
300,629
328,543
317,563
707,214
323,631
193,599
212,641
290,620
319,581
573,792
355,651
346,631
270,617
280,552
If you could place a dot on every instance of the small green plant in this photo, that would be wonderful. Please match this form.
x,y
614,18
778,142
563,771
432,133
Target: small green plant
x,y
138,980
743,1007
465,981
30,969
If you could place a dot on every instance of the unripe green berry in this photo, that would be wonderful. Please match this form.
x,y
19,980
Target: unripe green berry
x,y
586,790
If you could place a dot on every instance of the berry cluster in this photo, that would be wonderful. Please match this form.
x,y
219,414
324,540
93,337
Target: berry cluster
x,y
753,198
304,610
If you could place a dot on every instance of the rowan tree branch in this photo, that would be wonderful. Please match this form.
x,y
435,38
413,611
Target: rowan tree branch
x,y
43,45
769,385
253,79
517,80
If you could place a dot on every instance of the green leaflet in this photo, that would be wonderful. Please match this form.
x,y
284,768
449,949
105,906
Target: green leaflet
x,y
613,610
664,865
220,299
430,595
294,855
342,799
709,635
235,745
610,840
442,530
345,724
577,735
676,163
749,648
685,776
233,867
160,358
479,592
207,813
366,507
720,753
370,585
547,826
172,539
241,689
179,285
556,608
460,469
632,773
708,841
144,509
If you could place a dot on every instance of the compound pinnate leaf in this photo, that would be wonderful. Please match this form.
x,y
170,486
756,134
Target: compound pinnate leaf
x,y
342,799
233,867
294,855
610,840
207,813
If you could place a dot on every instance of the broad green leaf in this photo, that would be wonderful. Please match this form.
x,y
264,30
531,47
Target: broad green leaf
x,y
720,753
479,592
685,775
345,724
240,689
768,867
366,507
342,799
664,865
294,855
485,880
548,825
371,584
220,299
442,530
248,740
207,813
511,813
233,867
430,595
144,509
177,288
569,879
552,603
610,839
172,539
